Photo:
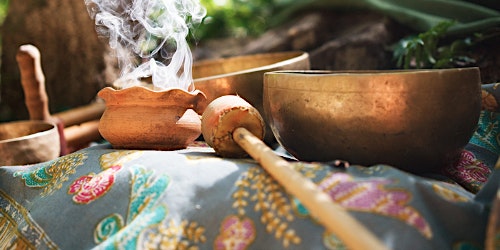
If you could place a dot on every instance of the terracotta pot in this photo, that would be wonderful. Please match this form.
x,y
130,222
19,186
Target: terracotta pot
x,y
141,118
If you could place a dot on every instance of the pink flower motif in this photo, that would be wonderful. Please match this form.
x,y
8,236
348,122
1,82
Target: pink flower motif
x,y
470,169
235,233
90,187
371,195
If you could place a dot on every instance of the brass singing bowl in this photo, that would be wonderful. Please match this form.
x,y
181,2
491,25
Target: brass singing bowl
x,y
416,120
28,142
243,75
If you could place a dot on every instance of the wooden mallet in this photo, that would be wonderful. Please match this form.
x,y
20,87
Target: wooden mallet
x,y
77,127
234,128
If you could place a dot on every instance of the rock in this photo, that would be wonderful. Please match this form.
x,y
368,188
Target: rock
x,y
334,40
344,40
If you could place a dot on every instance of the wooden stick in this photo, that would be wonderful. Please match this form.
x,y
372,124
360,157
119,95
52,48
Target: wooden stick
x,y
79,136
81,114
36,99
33,83
321,206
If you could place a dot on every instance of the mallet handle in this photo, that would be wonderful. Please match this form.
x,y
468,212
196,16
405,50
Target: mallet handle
x,y
81,114
33,82
334,217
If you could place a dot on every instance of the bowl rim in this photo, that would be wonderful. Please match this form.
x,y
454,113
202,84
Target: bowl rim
x,y
295,56
366,72
51,129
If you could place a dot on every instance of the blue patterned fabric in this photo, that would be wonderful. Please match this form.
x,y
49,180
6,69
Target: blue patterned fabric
x,y
117,199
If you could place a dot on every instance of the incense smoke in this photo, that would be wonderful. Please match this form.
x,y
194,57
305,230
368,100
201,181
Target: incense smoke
x,y
149,37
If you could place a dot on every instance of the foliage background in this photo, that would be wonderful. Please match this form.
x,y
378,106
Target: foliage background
x,y
238,18
3,8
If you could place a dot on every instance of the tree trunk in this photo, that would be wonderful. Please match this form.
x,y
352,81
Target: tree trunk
x,y
73,57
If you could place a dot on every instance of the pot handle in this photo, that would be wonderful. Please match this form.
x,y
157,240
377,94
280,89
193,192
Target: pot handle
x,y
200,102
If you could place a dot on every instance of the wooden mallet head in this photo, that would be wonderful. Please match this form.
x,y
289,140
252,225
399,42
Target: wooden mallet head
x,y
222,116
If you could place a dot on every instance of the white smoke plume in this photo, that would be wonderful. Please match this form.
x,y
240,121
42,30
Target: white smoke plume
x,y
149,37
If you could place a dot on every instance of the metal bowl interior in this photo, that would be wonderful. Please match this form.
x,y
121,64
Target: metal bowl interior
x,y
28,142
243,75
416,120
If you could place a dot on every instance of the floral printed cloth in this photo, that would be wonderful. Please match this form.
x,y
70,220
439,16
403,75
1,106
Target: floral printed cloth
x,y
105,198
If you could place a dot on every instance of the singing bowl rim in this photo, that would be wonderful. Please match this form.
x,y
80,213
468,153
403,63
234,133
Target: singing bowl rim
x,y
364,73
43,128
291,57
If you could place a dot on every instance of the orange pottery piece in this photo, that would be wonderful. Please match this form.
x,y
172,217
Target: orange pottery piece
x,y
142,118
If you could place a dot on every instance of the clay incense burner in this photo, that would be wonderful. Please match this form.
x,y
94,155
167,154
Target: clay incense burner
x,y
141,118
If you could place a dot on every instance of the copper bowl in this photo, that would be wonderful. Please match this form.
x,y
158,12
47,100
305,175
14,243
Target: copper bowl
x,y
28,142
416,120
243,75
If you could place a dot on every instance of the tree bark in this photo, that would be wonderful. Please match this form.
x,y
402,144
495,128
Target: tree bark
x,y
73,57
